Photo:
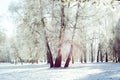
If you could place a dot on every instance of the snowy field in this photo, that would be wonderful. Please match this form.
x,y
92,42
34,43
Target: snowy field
x,y
77,71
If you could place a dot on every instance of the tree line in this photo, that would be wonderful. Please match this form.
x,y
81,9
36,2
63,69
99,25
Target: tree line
x,y
56,31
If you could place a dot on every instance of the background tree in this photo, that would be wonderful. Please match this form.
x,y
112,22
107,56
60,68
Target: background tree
x,y
50,31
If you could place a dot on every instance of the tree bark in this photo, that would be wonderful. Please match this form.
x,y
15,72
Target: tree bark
x,y
85,60
114,54
67,61
98,56
106,58
58,60
81,59
49,54
69,57
91,52
101,57
118,57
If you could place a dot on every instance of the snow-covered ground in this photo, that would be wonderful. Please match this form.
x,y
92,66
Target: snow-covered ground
x,y
77,71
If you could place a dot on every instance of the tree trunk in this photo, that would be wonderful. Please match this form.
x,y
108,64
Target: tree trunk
x,y
72,59
81,59
58,60
69,57
85,58
118,57
101,58
91,52
98,56
67,61
106,58
49,54
114,55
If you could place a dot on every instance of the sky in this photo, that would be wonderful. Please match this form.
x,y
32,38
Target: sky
x,y
5,20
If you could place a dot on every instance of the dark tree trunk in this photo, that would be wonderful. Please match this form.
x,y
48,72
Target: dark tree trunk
x,y
58,59
98,56
85,60
69,57
116,57
81,59
119,57
101,57
106,57
114,54
67,61
92,57
91,53
49,54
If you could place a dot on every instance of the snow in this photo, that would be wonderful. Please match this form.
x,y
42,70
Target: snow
x,y
77,71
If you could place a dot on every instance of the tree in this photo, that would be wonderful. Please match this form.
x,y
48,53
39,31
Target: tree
x,y
57,30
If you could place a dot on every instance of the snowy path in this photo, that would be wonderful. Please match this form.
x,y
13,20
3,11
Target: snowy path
x,y
77,71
